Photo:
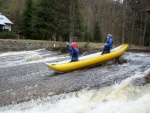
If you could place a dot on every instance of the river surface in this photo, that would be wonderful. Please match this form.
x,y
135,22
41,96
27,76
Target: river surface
x,y
27,85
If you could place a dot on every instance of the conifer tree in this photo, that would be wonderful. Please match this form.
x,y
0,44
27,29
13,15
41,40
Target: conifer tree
x,y
79,29
27,19
62,19
97,33
44,26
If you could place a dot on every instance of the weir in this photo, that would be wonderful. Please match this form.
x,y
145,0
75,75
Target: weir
x,y
29,86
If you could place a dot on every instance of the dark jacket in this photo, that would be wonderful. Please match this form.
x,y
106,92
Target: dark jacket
x,y
108,44
74,53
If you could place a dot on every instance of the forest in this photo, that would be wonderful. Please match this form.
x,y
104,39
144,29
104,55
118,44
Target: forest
x,y
80,20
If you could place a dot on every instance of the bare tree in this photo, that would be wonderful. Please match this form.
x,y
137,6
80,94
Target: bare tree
x,y
72,11
124,20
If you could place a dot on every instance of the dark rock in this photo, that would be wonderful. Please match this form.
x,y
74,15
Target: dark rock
x,y
148,78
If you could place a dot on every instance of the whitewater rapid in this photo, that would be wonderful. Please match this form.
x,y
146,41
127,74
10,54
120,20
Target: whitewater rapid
x,y
124,96
118,98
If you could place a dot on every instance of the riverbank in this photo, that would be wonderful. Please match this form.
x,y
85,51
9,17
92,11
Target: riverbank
x,y
18,45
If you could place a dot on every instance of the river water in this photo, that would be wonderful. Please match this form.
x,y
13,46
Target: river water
x,y
28,86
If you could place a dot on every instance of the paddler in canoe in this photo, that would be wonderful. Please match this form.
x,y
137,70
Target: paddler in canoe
x,y
74,51
108,44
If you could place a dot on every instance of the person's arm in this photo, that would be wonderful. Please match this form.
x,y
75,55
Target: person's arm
x,y
68,47
109,43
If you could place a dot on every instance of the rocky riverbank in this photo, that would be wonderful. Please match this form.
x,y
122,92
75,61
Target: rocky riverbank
x,y
17,45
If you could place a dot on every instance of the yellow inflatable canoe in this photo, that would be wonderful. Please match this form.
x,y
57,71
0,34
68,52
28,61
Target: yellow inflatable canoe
x,y
88,60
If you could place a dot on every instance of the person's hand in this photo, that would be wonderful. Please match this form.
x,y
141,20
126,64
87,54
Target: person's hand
x,y
67,43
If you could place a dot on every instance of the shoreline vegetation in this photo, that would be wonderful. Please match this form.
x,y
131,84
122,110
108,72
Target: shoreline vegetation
x,y
18,45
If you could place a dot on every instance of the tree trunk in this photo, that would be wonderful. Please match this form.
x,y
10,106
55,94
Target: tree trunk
x,y
133,25
124,19
145,26
72,8
141,30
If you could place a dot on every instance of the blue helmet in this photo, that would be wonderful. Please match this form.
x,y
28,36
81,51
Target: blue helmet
x,y
110,35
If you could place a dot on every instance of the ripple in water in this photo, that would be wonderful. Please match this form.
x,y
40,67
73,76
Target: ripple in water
x,y
33,58
118,98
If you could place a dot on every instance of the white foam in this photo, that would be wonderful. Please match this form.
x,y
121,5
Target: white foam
x,y
118,98
10,59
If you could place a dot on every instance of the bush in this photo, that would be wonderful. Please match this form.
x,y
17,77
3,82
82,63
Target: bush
x,y
87,45
7,35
